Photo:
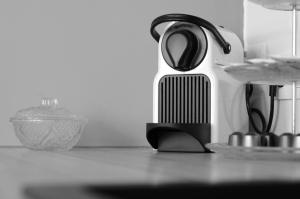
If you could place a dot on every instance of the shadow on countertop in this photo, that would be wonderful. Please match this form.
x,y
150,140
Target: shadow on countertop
x,y
173,191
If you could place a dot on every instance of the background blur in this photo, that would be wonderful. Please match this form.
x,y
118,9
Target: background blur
x,y
96,56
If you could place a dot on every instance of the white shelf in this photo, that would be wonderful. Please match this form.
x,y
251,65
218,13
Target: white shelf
x,y
286,5
275,70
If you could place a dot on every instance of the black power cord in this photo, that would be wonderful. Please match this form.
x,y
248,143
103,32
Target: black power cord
x,y
266,127
251,110
272,94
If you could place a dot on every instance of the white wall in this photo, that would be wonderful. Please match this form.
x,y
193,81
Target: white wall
x,y
269,33
96,57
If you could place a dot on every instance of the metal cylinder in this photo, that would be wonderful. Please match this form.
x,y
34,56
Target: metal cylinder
x,y
235,139
269,140
251,140
286,140
296,141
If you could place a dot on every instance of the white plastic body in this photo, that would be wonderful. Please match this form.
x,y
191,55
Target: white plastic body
x,y
228,109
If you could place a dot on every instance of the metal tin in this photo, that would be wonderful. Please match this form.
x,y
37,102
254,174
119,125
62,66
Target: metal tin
x,y
251,140
286,140
235,139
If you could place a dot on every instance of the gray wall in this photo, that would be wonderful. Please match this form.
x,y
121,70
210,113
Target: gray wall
x,y
96,57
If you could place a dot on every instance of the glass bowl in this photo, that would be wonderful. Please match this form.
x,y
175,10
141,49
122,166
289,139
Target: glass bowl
x,y
48,127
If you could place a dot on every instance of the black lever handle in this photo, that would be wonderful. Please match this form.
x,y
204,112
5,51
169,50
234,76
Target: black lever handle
x,y
191,19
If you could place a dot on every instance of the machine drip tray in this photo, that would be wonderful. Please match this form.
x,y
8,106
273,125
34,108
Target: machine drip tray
x,y
169,137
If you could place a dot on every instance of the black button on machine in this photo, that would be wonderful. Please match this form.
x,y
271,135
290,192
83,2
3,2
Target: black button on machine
x,y
184,46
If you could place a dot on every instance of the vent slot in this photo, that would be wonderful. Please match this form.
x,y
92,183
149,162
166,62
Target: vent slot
x,y
184,99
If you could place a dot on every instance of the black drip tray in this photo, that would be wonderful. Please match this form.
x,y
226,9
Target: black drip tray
x,y
168,137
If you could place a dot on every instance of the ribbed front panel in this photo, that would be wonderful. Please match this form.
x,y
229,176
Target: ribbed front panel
x,y
184,99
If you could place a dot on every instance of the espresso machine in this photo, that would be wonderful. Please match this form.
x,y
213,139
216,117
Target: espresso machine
x,y
194,100
203,90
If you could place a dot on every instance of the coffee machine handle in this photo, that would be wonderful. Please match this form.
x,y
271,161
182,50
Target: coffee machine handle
x,y
190,19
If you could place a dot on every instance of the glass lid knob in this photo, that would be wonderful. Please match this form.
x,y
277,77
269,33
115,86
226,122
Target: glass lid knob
x,y
51,102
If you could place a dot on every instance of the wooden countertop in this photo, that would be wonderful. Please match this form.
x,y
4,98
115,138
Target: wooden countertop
x,y
20,167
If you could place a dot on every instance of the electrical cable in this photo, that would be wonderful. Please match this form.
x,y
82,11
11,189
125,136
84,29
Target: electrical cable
x,y
265,127
271,115
262,118
272,94
250,110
